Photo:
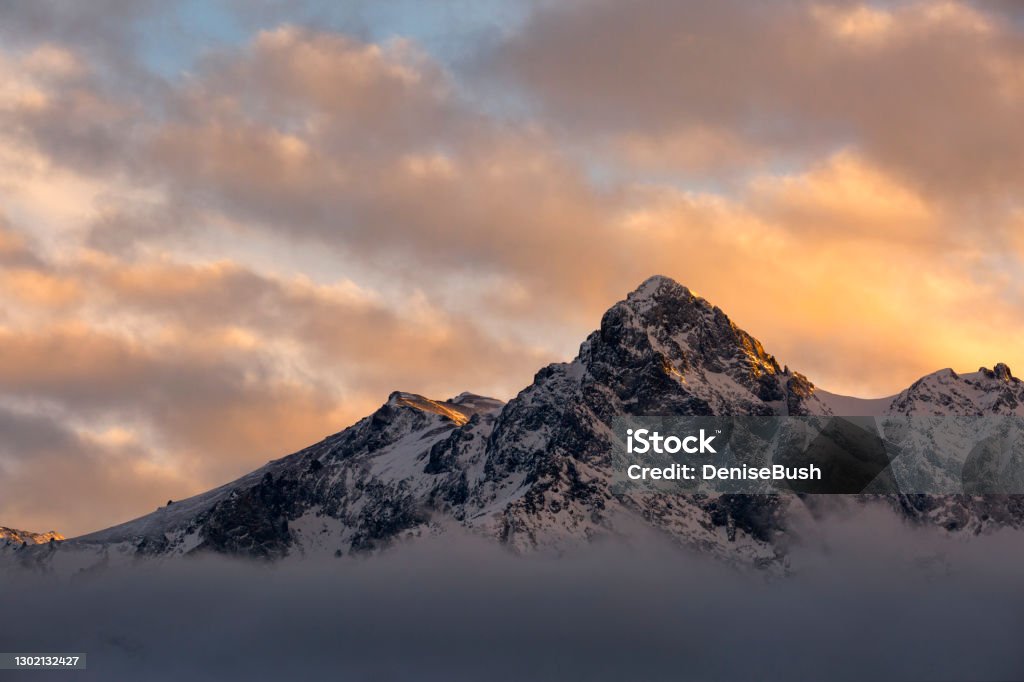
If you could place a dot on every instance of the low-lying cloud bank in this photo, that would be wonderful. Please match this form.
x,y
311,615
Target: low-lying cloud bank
x,y
871,598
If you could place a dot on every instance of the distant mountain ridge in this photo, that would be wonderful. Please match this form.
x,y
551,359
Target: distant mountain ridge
x,y
24,537
534,473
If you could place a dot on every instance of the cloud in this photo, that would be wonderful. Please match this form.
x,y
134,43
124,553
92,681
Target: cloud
x,y
339,327
274,236
928,90
870,274
898,603
14,248
207,406
54,100
81,476
215,369
370,151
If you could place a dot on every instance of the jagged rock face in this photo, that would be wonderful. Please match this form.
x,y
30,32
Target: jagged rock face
x,y
535,472
662,330
23,537
358,489
945,393
985,392
662,351
355,490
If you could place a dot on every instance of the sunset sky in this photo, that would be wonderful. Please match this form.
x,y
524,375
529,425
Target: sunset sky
x,y
230,229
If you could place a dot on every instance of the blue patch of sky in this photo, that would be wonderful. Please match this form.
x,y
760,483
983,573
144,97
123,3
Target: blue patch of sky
x,y
452,32
171,39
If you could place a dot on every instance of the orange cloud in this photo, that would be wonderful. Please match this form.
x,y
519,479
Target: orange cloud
x,y
864,309
33,287
235,261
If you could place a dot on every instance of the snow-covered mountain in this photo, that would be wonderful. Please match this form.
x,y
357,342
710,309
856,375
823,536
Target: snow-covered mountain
x,y
535,472
17,537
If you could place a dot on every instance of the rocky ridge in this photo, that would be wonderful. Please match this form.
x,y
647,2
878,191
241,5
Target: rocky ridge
x,y
534,473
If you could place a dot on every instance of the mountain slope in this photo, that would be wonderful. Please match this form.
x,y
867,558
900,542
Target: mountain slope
x,y
535,473
362,484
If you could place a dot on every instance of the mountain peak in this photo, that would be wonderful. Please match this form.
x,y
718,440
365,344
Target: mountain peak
x,y
1001,372
684,330
659,286
655,281
537,470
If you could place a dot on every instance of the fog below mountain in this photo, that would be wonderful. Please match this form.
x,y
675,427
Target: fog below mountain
x,y
870,597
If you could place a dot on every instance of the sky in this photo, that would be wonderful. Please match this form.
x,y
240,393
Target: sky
x,y
229,229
